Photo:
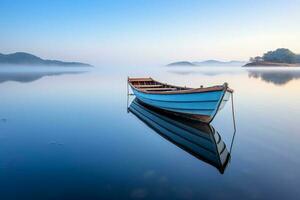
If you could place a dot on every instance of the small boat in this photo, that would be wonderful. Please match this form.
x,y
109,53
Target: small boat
x,y
201,104
198,139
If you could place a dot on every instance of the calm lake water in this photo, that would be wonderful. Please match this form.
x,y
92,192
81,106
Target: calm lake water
x,y
68,135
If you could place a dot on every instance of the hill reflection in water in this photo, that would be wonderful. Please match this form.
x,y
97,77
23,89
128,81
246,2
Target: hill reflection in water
x,y
26,77
277,77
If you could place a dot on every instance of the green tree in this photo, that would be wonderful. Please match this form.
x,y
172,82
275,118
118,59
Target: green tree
x,y
280,56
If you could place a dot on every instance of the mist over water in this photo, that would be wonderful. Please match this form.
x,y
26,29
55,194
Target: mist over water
x,y
66,134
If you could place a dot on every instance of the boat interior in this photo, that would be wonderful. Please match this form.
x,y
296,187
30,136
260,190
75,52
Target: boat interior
x,y
151,86
148,84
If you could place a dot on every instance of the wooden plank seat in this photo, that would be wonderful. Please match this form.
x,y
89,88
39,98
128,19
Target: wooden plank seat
x,y
159,89
147,86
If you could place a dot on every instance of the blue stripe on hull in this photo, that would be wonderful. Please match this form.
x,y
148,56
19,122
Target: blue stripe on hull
x,y
205,103
181,105
204,96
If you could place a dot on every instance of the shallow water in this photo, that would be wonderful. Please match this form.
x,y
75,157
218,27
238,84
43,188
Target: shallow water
x,y
68,135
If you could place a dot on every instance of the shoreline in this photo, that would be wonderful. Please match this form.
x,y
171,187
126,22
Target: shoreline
x,y
271,64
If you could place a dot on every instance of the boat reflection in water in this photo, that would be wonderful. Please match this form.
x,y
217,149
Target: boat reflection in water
x,y
200,140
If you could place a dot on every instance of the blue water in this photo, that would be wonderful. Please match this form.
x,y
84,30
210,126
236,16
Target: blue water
x,y
68,135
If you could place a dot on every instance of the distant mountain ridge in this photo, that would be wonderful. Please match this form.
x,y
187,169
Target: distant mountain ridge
x,y
219,63
209,63
22,58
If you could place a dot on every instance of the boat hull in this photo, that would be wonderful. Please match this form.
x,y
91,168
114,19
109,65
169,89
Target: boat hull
x,y
201,106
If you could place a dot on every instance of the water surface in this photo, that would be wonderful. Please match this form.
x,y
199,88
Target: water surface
x,y
68,135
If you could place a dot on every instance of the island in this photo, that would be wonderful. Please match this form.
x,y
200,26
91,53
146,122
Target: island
x,y
279,58
215,63
22,58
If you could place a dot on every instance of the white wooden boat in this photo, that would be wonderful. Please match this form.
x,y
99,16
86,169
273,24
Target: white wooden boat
x,y
198,139
201,104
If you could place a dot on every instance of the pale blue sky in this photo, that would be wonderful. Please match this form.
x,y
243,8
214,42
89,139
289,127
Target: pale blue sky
x,y
153,32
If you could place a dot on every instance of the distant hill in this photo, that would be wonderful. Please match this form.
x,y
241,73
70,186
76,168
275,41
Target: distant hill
x,y
21,58
209,63
181,63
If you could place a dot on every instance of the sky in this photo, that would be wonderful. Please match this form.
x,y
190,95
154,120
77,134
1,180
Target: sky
x,y
148,32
